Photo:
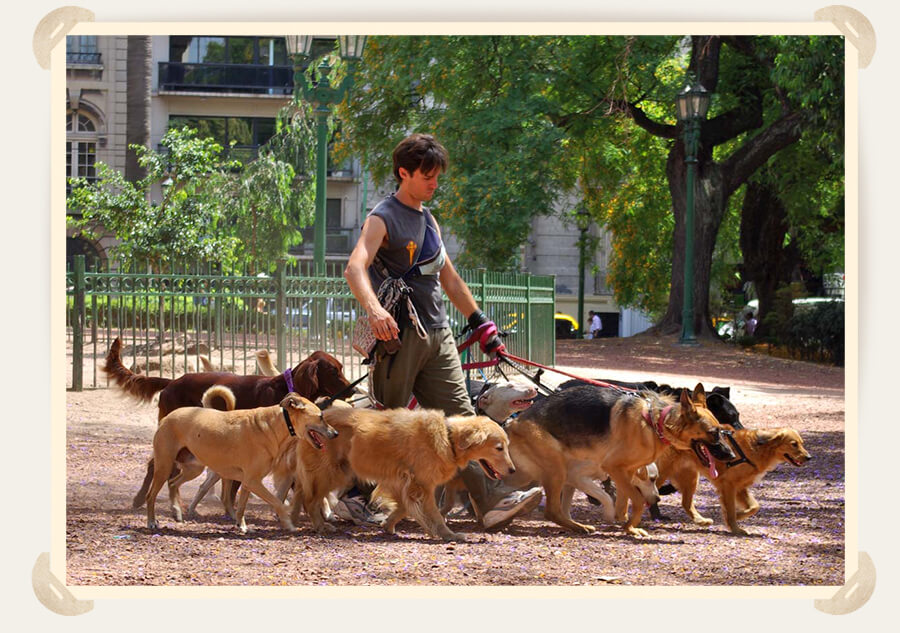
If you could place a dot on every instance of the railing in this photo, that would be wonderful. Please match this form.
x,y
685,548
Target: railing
x,y
168,321
83,58
250,78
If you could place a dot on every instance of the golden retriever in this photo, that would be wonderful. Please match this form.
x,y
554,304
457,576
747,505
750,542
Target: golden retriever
x,y
407,453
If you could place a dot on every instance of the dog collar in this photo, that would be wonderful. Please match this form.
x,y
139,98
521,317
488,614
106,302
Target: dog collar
x,y
287,419
480,411
289,380
658,426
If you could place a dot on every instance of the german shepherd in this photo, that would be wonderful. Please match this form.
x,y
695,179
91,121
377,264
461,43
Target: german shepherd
x,y
572,437
759,452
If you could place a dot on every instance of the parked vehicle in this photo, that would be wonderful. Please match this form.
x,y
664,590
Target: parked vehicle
x,y
566,325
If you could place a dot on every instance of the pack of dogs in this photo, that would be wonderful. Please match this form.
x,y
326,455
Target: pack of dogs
x,y
617,442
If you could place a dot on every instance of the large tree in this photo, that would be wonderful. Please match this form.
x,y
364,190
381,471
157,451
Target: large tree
x,y
528,119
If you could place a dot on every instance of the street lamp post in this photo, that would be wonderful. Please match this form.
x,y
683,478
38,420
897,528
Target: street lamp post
x,y
692,104
323,96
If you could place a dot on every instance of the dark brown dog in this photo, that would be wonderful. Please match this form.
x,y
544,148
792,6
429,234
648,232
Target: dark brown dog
x,y
320,374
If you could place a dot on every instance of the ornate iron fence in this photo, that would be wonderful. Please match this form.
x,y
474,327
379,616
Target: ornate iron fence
x,y
170,322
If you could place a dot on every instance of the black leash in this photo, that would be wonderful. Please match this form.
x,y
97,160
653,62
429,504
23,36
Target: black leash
x,y
330,400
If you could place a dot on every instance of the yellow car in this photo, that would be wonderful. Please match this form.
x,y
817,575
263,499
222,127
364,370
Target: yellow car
x,y
566,325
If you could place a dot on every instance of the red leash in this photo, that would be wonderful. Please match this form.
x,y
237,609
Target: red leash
x,y
508,357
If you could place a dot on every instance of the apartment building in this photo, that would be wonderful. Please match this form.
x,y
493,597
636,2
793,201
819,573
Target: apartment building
x,y
231,88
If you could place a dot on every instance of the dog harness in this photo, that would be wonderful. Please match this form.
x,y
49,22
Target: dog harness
x,y
289,380
658,426
287,419
737,449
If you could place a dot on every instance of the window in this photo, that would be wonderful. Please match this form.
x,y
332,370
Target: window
x,y
200,49
82,49
333,213
81,147
248,133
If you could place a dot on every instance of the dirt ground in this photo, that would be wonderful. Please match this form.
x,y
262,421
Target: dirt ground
x,y
796,539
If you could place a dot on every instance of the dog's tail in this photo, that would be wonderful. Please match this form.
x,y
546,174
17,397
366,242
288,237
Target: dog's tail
x,y
266,365
219,397
136,385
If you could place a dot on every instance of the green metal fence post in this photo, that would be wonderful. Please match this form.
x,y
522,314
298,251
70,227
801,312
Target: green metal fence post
x,y
482,300
280,312
529,333
78,327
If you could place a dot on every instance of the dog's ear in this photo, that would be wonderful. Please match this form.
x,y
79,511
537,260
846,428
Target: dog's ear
x,y
294,401
725,392
306,380
765,436
699,395
687,406
466,436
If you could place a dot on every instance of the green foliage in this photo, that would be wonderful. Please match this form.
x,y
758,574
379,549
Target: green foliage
x,y
212,210
182,227
514,112
530,121
817,333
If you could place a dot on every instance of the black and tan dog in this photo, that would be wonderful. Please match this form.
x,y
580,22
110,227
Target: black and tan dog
x,y
242,445
758,452
577,435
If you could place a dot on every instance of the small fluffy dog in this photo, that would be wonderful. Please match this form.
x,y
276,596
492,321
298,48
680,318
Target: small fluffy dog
x,y
241,445
580,434
407,453
758,452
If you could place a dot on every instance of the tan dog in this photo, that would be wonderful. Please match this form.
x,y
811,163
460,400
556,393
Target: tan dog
x,y
408,453
241,445
577,435
265,363
759,451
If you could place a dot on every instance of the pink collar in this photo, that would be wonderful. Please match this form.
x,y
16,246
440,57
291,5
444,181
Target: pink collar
x,y
658,426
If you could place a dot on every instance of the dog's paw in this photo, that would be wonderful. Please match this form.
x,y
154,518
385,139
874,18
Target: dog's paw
x,y
455,537
153,526
699,520
739,531
584,528
636,531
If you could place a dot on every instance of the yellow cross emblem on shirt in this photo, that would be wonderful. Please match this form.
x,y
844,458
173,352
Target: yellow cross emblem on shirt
x,y
411,247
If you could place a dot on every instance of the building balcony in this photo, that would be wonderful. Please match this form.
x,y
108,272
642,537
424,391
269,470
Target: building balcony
x,y
82,59
226,78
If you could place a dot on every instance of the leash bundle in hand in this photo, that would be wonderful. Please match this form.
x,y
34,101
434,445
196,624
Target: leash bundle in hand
x,y
392,294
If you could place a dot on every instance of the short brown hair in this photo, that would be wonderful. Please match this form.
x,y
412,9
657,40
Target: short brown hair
x,y
419,151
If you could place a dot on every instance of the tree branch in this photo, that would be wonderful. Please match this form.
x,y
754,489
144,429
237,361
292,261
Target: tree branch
x,y
755,152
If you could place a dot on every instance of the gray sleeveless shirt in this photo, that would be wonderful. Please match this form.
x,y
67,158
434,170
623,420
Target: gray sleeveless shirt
x,y
404,225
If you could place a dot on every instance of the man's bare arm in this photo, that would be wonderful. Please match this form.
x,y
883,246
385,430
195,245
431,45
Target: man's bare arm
x,y
373,235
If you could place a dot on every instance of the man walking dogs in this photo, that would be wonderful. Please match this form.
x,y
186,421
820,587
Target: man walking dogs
x,y
400,244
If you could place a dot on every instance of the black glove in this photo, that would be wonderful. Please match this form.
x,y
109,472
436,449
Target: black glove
x,y
487,332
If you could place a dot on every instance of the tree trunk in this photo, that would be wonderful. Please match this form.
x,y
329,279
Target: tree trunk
x,y
768,263
137,99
